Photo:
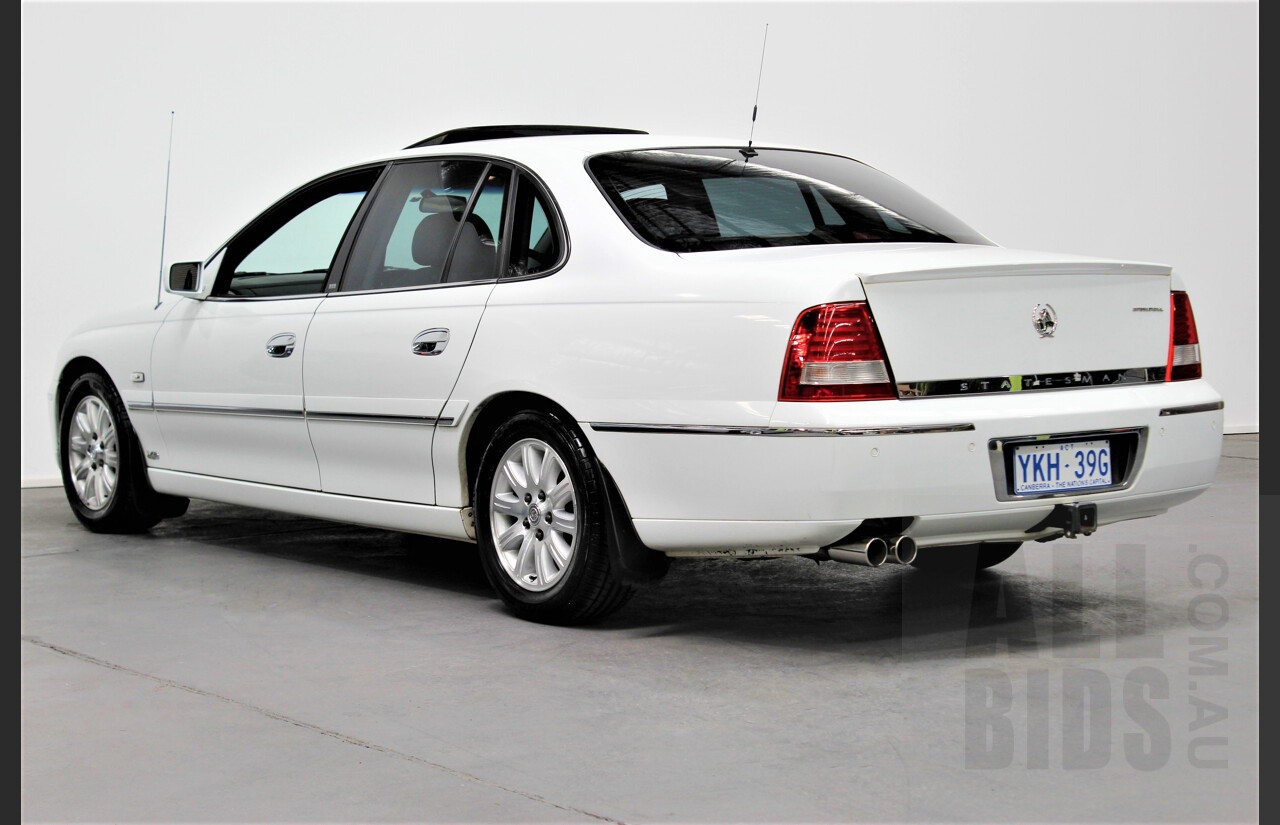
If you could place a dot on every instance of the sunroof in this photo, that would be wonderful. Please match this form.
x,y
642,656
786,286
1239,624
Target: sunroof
x,y
469,133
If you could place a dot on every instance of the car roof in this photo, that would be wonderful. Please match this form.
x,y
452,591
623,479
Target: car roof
x,y
566,146
471,133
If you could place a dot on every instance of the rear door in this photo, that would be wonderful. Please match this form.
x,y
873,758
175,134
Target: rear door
x,y
387,345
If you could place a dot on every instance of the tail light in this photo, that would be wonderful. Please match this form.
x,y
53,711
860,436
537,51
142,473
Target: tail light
x,y
1184,342
835,354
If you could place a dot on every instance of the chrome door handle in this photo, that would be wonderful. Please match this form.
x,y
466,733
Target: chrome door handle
x,y
281,346
430,341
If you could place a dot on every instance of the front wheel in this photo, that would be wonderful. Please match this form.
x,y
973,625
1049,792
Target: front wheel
x,y
540,523
102,469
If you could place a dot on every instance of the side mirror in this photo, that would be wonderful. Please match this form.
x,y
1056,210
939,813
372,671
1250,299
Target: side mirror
x,y
184,279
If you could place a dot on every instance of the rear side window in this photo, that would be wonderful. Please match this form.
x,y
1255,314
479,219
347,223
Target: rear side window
x,y
536,246
696,199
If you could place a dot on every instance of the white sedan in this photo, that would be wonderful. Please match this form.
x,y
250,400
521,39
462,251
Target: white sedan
x,y
591,350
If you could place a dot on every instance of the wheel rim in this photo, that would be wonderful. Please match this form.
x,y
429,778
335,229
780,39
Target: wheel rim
x,y
93,452
533,515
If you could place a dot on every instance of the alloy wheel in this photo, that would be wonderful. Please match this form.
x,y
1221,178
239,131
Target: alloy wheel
x,y
93,453
532,515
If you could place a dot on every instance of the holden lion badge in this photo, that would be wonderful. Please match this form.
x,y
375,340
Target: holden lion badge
x,y
1045,319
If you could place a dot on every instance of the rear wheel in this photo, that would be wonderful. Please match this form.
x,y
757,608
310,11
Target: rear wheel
x,y
540,523
960,557
102,469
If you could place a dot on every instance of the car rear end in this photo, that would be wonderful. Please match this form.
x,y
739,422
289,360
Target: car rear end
x,y
973,453
940,387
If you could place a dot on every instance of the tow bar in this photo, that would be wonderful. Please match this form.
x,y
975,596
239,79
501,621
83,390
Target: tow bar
x,y
1073,519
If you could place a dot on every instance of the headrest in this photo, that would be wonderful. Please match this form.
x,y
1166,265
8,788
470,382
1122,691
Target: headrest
x,y
482,228
434,233
432,237
474,256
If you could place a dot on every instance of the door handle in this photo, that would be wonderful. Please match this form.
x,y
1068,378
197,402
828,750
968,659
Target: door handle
x,y
281,346
430,341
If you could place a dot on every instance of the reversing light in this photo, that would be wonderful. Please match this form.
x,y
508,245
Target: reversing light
x,y
835,354
1184,342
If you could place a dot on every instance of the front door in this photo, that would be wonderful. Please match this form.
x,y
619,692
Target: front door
x,y
227,370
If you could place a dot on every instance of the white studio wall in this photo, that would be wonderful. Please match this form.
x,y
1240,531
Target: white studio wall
x,y
1118,130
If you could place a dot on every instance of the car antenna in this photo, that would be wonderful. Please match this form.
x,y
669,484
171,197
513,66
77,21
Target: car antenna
x,y
164,223
749,153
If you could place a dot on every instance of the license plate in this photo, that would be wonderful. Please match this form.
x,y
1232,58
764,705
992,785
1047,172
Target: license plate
x,y
1072,465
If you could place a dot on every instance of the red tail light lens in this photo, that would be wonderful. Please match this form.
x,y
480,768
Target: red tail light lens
x,y
1184,342
835,354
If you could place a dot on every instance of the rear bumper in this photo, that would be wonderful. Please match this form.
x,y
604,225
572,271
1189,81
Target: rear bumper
x,y
711,492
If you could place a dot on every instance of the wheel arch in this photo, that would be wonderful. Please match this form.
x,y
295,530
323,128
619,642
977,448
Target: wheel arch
x,y
75,368
634,561
144,506
488,416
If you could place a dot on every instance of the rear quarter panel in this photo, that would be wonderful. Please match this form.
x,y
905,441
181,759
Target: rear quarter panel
x,y
622,342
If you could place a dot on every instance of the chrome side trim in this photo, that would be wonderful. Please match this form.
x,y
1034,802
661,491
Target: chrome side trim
x,y
203,409
141,406
1193,408
427,420
703,429
1041,382
421,420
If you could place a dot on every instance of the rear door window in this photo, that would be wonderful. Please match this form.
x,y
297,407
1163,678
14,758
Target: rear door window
x,y
431,222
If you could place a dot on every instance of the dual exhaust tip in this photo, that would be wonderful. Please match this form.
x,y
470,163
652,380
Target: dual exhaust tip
x,y
874,551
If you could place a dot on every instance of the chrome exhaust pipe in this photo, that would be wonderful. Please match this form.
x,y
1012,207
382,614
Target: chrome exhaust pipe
x,y
903,550
869,552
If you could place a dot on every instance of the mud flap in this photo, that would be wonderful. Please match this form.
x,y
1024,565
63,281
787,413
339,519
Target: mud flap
x,y
635,562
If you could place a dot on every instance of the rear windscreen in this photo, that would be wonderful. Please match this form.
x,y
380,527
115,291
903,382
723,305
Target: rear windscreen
x,y
690,200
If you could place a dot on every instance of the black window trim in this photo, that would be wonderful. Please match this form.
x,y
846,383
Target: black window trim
x,y
357,218
343,255
586,165
508,223
524,172
472,201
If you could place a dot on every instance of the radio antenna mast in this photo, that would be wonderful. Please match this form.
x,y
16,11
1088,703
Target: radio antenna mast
x,y
164,224
755,107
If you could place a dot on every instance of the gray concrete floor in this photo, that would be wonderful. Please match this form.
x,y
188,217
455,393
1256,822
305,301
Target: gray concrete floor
x,y
242,666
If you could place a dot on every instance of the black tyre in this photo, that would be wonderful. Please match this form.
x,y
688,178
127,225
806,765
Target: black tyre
x,y
965,557
540,523
103,472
